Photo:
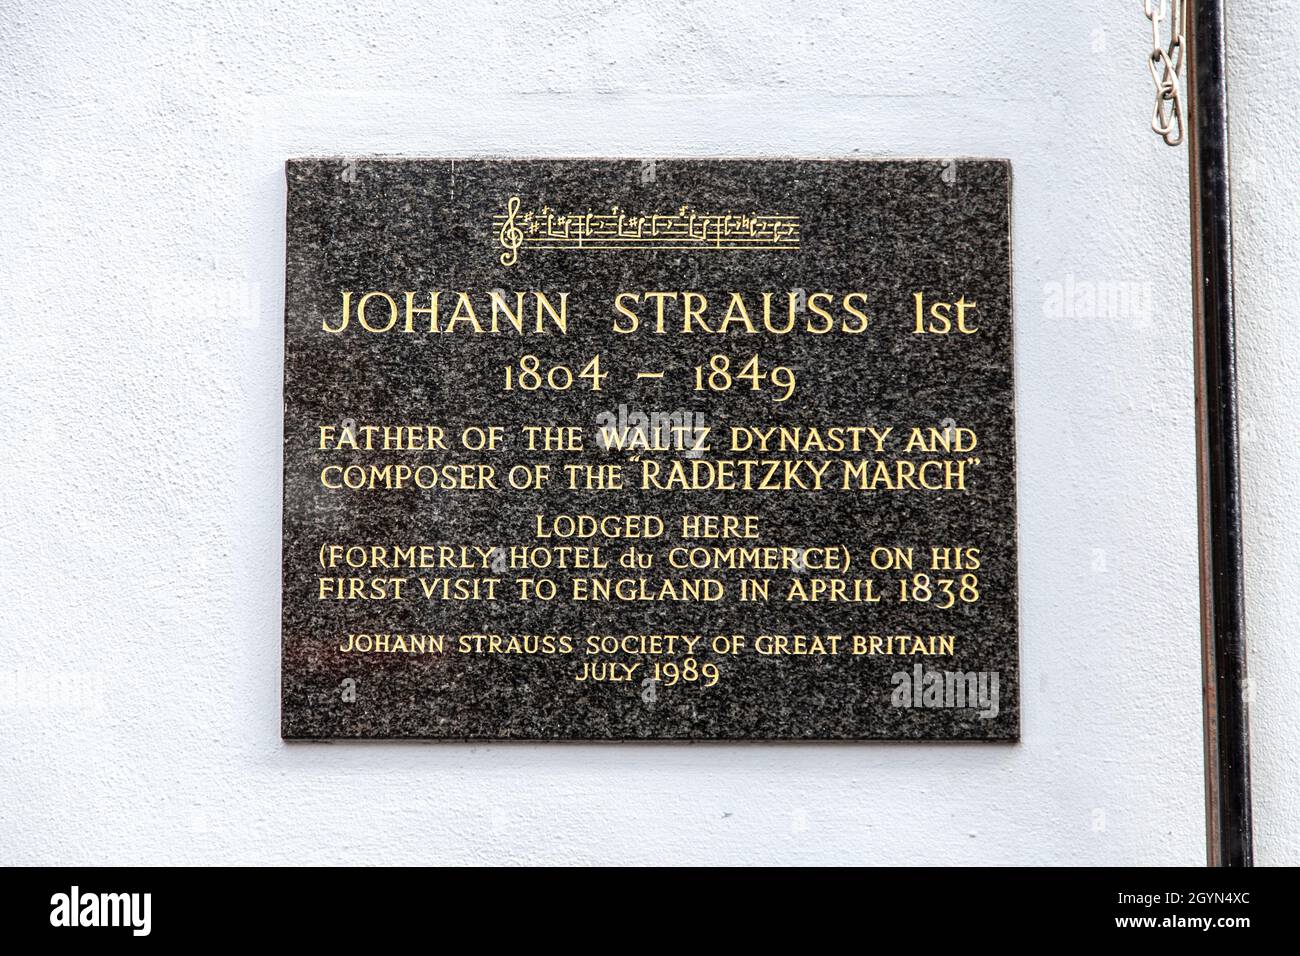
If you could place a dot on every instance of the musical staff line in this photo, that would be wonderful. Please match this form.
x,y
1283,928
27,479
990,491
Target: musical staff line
x,y
684,230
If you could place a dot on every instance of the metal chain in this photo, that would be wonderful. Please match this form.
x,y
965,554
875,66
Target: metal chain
x,y
1166,66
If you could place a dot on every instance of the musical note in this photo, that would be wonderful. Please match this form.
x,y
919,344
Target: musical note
x,y
685,229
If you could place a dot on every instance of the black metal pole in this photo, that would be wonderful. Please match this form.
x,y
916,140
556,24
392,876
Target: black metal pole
x,y
1229,840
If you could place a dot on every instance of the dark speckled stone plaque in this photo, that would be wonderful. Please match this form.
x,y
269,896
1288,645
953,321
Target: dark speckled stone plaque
x,y
632,449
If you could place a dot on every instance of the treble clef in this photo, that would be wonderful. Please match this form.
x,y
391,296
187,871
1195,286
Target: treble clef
x,y
511,236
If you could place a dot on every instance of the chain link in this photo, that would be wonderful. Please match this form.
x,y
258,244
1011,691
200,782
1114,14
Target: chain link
x,y
1166,66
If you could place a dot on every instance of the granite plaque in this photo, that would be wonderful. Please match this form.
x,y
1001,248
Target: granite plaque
x,y
634,449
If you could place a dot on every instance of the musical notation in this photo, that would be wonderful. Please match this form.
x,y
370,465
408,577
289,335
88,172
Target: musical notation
x,y
685,229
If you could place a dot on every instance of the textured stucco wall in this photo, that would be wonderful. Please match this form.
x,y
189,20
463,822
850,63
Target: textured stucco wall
x,y
142,269
1264,59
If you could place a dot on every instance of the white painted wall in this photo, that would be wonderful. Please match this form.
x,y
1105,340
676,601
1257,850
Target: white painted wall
x,y
1264,57
140,335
